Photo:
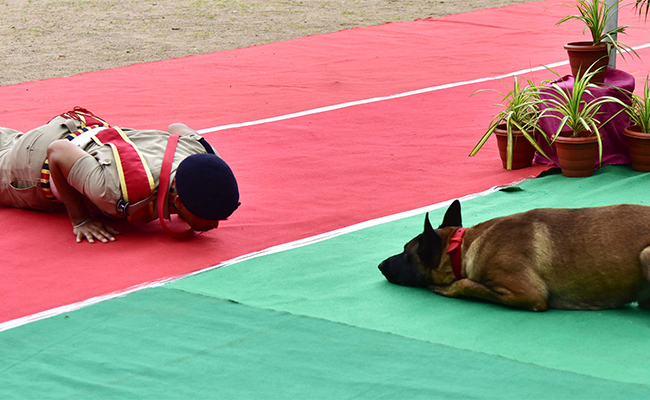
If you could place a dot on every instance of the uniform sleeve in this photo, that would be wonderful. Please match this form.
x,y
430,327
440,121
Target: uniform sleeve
x,y
90,178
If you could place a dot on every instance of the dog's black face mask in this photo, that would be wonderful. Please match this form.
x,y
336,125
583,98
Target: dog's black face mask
x,y
420,255
401,270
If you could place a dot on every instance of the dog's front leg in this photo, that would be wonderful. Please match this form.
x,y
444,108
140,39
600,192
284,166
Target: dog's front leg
x,y
469,288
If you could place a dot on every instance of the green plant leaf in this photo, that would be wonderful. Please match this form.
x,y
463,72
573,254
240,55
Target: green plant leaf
x,y
595,14
520,111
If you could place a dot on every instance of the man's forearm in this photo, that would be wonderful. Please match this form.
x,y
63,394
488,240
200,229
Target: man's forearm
x,y
62,155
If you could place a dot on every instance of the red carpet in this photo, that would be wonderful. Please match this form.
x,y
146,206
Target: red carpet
x,y
298,177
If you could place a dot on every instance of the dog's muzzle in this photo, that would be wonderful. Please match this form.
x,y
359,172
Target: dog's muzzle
x,y
399,270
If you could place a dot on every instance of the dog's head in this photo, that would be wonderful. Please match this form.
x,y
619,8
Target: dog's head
x,y
417,264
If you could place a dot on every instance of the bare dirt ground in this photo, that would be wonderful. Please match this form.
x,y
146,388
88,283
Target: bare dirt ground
x,y
50,38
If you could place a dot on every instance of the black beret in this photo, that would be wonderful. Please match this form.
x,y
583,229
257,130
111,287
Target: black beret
x,y
207,187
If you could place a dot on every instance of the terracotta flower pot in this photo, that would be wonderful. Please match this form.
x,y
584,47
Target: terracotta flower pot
x,y
577,155
582,55
522,151
638,144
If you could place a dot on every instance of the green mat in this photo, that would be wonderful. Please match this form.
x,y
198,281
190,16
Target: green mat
x,y
320,321
165,343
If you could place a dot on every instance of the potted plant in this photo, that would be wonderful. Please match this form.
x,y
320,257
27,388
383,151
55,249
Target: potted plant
x,y
595,14
637,135
515,126
578,141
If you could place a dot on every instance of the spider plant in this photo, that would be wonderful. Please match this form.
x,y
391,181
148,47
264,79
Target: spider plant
x,y
595,14
577,109
639,109
520,113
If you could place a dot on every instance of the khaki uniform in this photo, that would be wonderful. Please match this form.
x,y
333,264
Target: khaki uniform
x,y
95,176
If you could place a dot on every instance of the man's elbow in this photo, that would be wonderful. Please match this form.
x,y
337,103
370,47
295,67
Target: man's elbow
x,y
62,155
179,128
56,148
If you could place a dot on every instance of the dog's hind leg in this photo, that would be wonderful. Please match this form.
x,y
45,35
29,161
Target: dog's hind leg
x,y
644,295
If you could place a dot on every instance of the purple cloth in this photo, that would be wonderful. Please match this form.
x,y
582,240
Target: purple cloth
x,y
614,148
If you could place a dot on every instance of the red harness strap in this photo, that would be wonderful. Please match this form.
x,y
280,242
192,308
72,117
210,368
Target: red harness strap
x,y
84,116
163,188
454,252
136,180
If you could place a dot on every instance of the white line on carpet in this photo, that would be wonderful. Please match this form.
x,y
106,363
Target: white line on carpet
x,y
271,250
384,98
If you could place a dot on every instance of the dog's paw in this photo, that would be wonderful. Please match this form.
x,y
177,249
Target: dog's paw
x,y
441,290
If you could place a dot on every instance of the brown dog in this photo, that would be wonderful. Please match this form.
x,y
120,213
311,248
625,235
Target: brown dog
x,y
578,259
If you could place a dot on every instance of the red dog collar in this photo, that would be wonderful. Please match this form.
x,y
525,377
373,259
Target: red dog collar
x,y
454,252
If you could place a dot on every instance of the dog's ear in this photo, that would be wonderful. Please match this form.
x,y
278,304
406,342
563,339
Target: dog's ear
x,y
430,244
452,216
428,229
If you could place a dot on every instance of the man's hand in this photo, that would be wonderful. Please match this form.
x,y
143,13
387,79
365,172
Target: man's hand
x,y
91,230
62,156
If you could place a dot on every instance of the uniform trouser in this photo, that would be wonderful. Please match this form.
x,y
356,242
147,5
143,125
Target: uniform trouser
x,y
21,160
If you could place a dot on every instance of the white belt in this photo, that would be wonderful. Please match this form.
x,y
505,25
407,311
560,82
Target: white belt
x,y
85,138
